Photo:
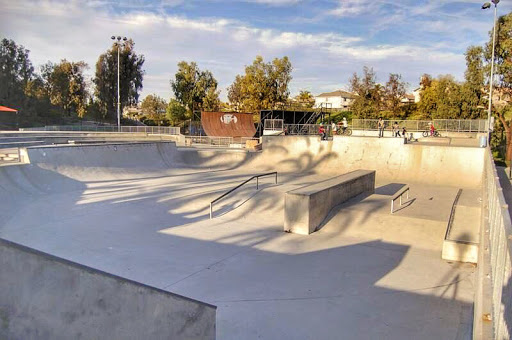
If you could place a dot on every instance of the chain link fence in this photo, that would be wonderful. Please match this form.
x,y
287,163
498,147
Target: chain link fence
x,y
448,125
164,130
302,129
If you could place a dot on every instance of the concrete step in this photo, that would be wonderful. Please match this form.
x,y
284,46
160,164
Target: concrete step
x,y
462,235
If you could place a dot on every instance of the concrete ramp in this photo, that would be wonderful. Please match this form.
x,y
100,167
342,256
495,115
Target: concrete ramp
x,y
44,296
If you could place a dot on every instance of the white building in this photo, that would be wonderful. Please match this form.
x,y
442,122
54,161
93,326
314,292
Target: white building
x,y
340,100
409,98
417,95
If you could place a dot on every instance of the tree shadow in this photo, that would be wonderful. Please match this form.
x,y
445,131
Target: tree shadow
x,y
389,189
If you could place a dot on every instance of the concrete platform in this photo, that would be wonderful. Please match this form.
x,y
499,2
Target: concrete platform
x,y
462,237
366,274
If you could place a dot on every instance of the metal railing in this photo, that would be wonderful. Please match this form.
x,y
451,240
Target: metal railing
x,y
238,186
233,142
493,301
164,130
301,129
399,196
274,124
448,125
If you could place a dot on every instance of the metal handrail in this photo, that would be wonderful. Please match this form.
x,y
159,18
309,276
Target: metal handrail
x,y
399,195
238,186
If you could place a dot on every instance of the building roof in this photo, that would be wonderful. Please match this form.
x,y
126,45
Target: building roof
x,y
338,93
409,96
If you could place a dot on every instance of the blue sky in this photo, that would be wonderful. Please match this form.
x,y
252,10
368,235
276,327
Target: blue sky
x,y
326,40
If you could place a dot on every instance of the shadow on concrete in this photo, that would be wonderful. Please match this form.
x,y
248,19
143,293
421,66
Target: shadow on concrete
x,y
337,288
316,293
405,205
335,211
389,189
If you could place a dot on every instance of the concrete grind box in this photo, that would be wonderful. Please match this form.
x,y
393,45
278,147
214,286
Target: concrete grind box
x,y
306,208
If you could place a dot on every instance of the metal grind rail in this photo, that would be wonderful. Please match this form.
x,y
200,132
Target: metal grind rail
x,y
399,196
238,186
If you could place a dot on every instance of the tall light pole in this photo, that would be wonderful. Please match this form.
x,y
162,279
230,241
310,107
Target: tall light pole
x,y
488,5
119,44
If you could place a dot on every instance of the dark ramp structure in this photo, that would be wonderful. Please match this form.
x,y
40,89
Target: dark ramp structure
x,y
228,124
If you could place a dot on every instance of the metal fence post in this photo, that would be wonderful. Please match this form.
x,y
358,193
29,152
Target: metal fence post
x,y
211,213
257,183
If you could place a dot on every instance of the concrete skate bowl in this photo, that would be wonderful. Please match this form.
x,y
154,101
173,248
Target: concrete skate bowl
x,y
139,211
228,124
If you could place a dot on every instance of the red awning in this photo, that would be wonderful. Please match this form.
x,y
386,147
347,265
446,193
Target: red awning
x,y
7,109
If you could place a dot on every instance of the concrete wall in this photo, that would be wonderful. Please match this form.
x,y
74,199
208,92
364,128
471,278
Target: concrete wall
x,y
390,157
307,207
45,297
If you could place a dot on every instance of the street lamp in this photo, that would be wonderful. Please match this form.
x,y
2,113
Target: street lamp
x,y
488,5
119,45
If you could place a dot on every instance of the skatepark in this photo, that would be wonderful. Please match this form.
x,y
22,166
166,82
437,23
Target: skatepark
x,y
137,212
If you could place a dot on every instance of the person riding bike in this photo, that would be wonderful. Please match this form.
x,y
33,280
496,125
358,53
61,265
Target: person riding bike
x,y
322,133
432,129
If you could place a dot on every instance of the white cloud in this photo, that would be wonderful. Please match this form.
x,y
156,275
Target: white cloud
x,y
56,30
275,2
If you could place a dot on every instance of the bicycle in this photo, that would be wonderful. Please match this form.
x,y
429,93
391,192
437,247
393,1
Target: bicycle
x,y
435,134
347,132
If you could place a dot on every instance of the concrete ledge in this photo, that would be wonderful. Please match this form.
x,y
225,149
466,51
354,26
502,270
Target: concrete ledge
x,y
460,251
306,207
46,297
461,239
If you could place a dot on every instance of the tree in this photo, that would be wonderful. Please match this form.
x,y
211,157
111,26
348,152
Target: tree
x,y
131,77
425,81
176,112
195,89
441,99
211,101
235,94
305,99
16,71
263,86
394,92
472,95
65,86
154,107
368,102
503,71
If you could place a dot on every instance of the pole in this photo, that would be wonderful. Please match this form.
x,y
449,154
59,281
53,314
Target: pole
x,y
492,77
118,93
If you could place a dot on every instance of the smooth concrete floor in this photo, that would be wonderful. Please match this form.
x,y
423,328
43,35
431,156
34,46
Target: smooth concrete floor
x,y
366,274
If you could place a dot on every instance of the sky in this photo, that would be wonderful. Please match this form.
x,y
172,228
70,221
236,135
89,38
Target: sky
x,y
326,40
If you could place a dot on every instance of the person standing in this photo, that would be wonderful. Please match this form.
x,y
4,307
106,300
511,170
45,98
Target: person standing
x,y
380,124
396,128
334,128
